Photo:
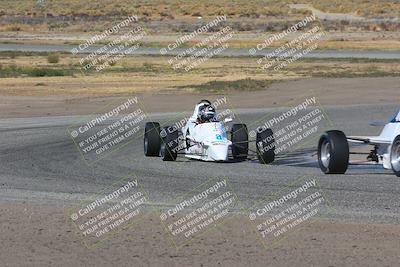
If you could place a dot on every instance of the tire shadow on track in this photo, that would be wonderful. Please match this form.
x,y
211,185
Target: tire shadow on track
x,y
300,158
307,158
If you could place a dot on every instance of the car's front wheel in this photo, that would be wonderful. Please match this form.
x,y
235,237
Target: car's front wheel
x,y
333,152
395,156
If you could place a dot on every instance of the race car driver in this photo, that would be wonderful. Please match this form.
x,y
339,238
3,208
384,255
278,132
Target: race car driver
x,y
206,113
203,112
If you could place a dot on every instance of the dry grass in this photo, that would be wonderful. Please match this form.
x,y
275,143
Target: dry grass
x,y
153,74
382,44
15,27
176,8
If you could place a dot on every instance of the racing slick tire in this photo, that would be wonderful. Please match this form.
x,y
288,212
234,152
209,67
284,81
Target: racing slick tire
x,y
152,139
395,156
240,141
265,146
333,152
169,144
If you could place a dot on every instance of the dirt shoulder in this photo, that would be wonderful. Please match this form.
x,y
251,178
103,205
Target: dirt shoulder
x,y
43,236
330,91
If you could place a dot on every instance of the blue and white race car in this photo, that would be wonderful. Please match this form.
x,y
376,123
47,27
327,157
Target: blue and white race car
x,y
204,137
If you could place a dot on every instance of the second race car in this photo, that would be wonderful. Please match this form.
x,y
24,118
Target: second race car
x,y
334,151
204,137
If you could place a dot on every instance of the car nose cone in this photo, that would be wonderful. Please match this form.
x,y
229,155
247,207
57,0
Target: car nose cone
x,y
218,152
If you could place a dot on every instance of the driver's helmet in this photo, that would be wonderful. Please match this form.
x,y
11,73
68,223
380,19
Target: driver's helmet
x,y
206,113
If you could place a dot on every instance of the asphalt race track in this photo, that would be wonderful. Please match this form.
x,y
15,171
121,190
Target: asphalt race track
x,y
40,163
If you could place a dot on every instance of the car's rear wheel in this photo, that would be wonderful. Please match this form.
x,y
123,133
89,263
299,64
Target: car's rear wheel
x,y
152,139
265,146
333,152
169,143
240,141
395,156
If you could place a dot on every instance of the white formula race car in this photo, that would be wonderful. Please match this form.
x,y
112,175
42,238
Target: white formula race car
x,y
204,137
334,152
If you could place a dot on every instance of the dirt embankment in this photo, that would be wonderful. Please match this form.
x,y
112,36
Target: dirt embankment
x,y
334,91
43,236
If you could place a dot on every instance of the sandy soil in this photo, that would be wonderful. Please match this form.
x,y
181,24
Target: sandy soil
x,y
44,236
334,91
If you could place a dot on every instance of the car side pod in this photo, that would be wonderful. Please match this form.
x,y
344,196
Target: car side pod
x,y
395,156
333,152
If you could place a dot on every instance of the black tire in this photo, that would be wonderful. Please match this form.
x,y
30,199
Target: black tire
x,y
152,139
265,146
333,152
395,156
169,144
240,141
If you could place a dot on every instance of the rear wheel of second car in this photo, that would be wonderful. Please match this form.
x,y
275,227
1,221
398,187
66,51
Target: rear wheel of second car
x,y
152,139
240,141
265,145
169,144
